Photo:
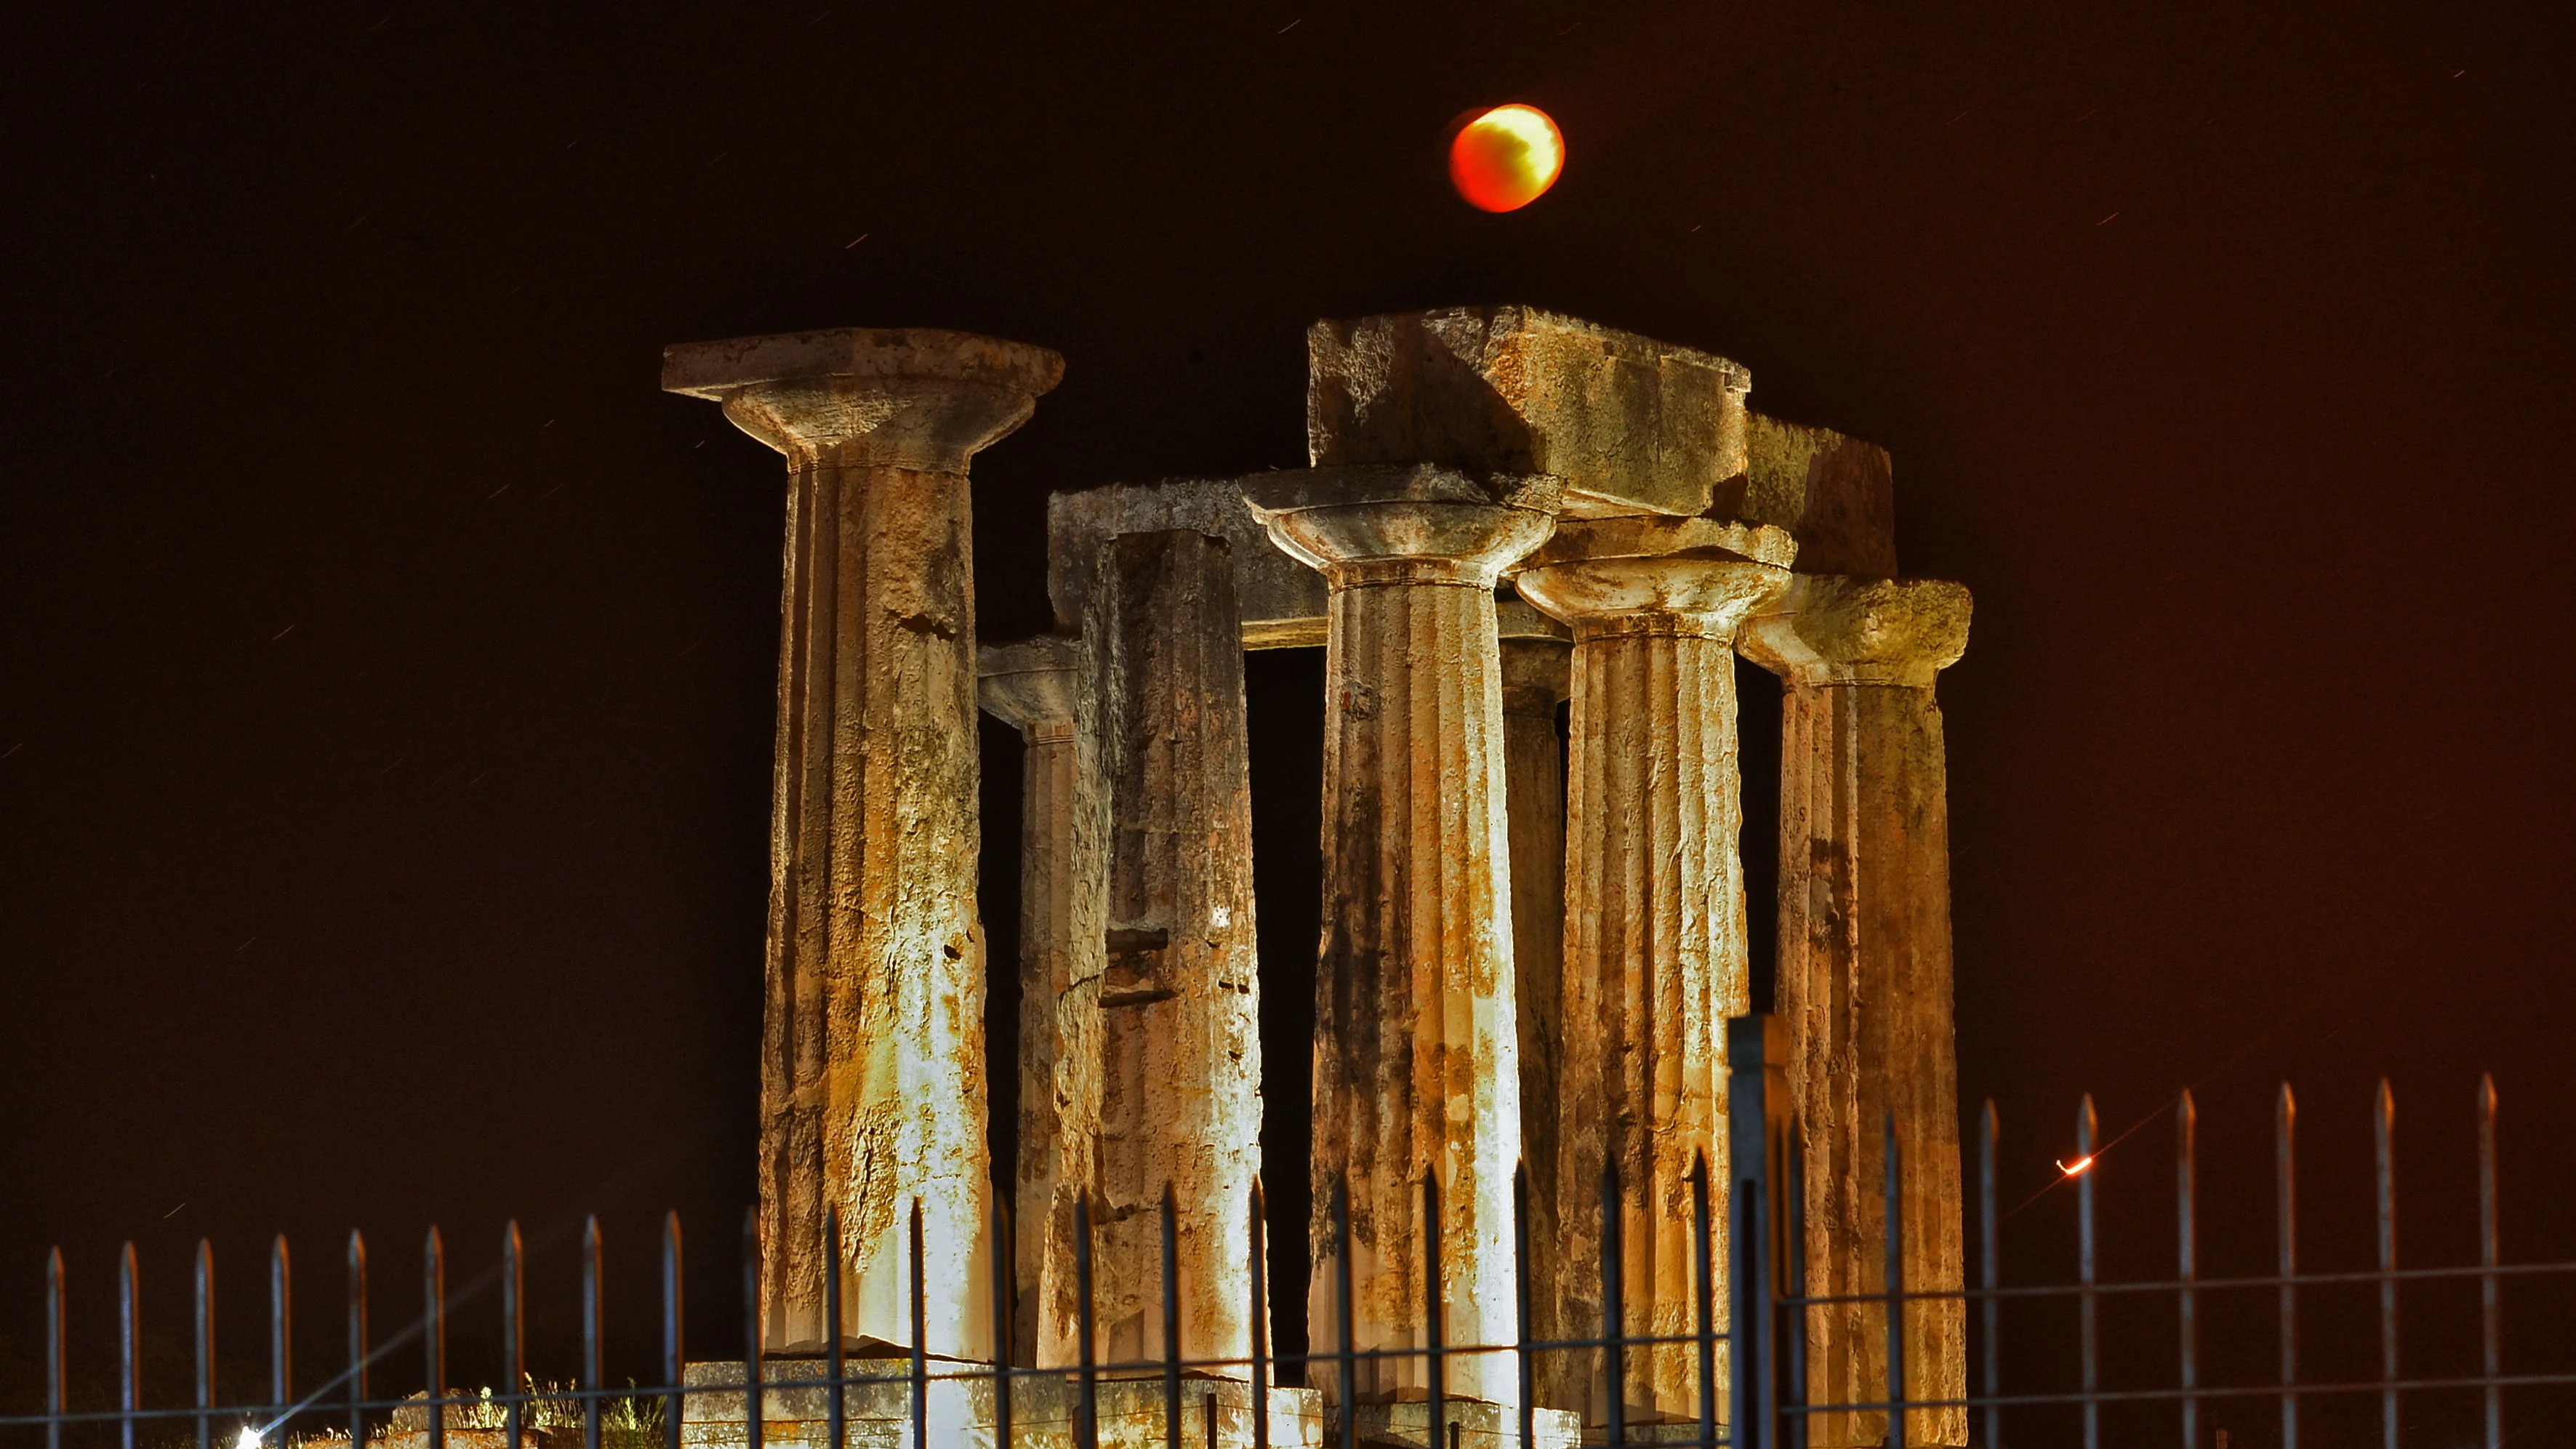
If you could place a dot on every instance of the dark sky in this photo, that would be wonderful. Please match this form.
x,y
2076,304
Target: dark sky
x,y
385,664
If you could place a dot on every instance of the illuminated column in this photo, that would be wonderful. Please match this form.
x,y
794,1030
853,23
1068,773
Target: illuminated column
x,y
872,1055
1535,681
1042,688
1180,1004
1655,948
1865,974
1417,1046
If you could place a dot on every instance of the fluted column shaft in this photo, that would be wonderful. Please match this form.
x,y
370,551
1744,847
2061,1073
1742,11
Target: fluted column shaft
x,y
872,1063
1536,658
1180,1004
1865,977
1416,1035
1043,687
1655,943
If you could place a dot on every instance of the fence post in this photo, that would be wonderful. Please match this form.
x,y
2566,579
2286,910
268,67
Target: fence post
x,y
1757,1097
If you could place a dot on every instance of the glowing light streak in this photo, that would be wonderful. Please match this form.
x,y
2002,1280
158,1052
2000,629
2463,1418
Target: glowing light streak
x,y
2077,1166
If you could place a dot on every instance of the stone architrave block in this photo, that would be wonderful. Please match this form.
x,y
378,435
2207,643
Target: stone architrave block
x,y
1282,600
1631,425
1837,494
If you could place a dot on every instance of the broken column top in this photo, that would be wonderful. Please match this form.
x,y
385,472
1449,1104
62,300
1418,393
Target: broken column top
x,y
1631,424
1282,599
909,396
1829,629
1031,684
1836,493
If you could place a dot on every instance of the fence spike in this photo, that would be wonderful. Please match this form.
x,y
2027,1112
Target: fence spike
x,y
433,1334
1891,1204
2187,1259
920,1344
1005,1280
2087,1131
281,1334
129,1344
755,1393
2285,1123
1086,1403
836,1364
2490,1305
357,1274
675,1365
1704,1267
594,1326
1990,1272
203,1330
1435,1379
1345,1312
1528,1329
1260,1319
57,1366
2384,1159
514,1333
1614,1308
1171,1242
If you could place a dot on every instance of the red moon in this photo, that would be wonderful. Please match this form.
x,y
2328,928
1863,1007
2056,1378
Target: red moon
x,y
1505,158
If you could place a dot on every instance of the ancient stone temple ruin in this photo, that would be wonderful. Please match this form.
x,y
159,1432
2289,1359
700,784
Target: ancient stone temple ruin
x,y
1531,938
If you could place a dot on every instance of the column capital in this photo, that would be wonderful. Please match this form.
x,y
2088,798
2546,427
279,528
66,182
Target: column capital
x,y
1404,523
1696,575
1838,629
1031,686
907,397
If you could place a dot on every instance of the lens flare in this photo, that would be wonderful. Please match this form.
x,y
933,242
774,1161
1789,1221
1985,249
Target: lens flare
x,y
1505,158
2075,1168
249,1438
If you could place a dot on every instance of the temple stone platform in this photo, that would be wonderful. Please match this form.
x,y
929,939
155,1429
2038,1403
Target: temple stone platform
x,y
878,1406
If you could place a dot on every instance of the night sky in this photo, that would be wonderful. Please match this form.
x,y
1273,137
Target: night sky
x,y
386,665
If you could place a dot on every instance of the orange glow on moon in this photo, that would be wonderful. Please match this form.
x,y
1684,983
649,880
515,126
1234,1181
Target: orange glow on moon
x,y
1505,158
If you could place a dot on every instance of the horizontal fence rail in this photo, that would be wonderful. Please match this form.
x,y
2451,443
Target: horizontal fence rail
x,y
1750,1349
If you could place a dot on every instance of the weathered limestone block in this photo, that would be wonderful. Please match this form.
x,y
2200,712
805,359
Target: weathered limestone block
x,y
1282,600
1537,654
1043,688
1180,1004
1655,954
795,1410
1835,494
872,1060
1865,975
1630,424
1417,1038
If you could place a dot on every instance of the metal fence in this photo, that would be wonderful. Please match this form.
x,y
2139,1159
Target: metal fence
x,y
1758,1349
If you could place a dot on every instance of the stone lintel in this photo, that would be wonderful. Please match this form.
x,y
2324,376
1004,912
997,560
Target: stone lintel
x,y
1282,599
1837,494
1832,629
1631,424
917,397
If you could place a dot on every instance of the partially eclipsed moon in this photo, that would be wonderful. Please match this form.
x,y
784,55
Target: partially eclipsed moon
x,y
1505,158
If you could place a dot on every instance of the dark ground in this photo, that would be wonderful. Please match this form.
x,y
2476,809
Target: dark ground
x,y
386,717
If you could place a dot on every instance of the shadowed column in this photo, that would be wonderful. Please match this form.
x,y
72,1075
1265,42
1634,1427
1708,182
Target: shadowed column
x,y
1536,657
1042,687
1180,1004
1655,944
872,1059
1865,976
1417,1040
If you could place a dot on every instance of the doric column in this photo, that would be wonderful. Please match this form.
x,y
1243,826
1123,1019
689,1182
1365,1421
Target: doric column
x,y
1417,1045
1180,1005
1655,945
1537,652
1865,974
1043,688
872,1059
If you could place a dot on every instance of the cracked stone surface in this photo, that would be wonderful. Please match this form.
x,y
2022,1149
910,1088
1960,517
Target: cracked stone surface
x,y
1417,1038
1865,975
1180,1000
1655,950
872,1052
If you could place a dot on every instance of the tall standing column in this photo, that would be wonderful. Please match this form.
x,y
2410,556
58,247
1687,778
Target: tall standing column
x,y
1180,1003
1865,976
872,1061
1655,948
1043,688
1537,654
1417,1041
